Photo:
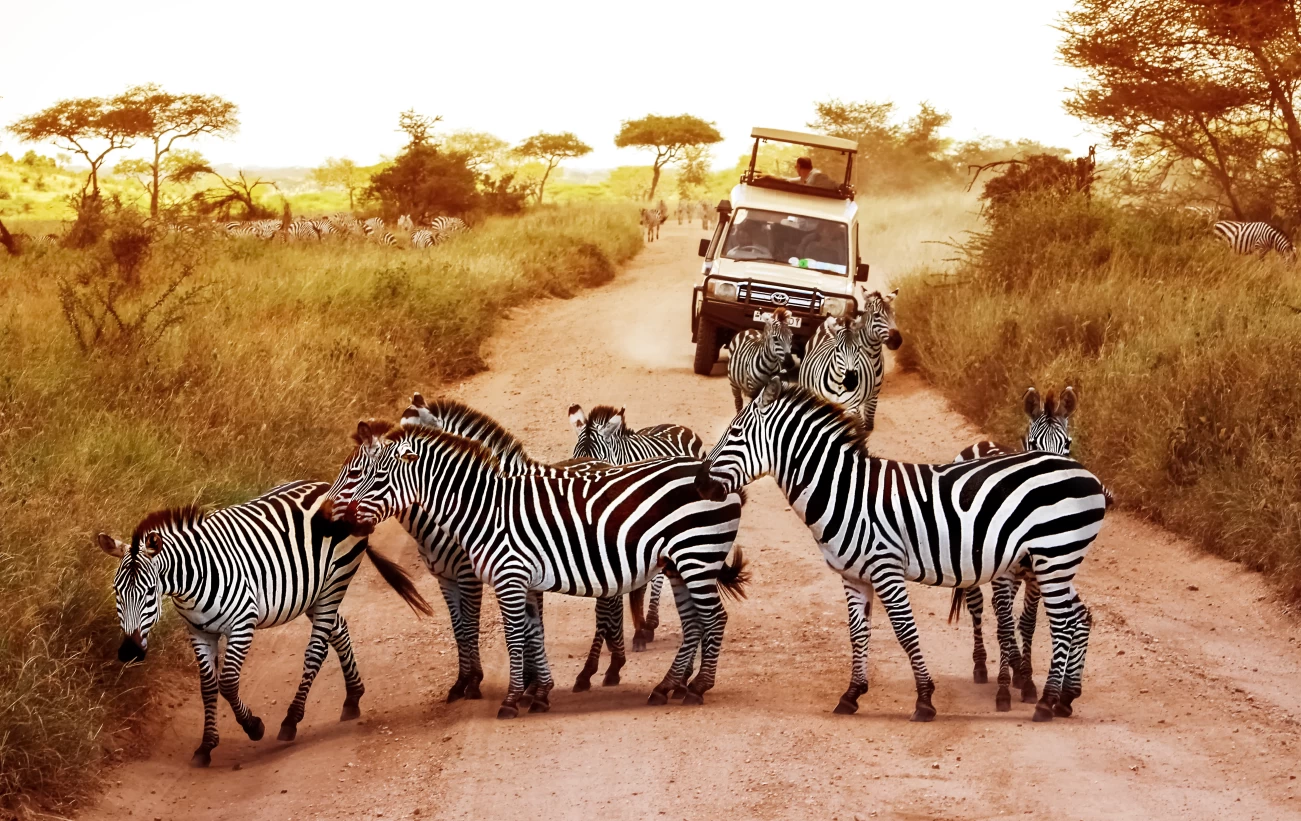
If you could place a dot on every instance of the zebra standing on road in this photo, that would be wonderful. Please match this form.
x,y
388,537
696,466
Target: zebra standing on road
x,y
604,436
1048,431
231,571
594,533
1254,237
755,357
844,364
883,523
651,219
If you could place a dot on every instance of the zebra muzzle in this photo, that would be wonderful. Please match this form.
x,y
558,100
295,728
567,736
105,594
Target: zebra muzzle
x,y
131,649
894,340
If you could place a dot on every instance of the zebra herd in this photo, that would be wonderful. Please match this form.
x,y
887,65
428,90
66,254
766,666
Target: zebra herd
x,y
345,225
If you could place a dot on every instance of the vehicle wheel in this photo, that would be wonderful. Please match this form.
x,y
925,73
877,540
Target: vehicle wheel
x,y
706,347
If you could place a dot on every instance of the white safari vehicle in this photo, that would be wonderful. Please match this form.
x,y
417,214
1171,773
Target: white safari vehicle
x,y
779,242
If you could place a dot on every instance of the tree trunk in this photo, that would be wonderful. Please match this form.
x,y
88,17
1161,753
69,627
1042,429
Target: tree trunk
x,y
350,200
542,186
7,240
1284,102
153,191
655,181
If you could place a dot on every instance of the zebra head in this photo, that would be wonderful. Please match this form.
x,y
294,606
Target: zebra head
x,y
777,334
596,433
137,586
419,413
1049,421
744,452
370,441
874,325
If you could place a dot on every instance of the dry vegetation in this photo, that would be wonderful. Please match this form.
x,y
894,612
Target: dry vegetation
x,y
1184,355
247,373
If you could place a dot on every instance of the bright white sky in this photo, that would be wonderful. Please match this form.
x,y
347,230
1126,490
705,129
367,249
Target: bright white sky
x,y
321,79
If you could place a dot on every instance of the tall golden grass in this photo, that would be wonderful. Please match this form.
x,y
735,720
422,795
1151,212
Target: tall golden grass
x,y
258,382
1183,353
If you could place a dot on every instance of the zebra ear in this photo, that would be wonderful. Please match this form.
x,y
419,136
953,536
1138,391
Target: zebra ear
x,y
615,424
1034,403
363,433
888,298
418,401
770,392
1069,401
577,419
110,545
153,543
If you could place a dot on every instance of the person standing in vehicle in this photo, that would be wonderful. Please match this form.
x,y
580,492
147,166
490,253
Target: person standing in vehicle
x,y
810,175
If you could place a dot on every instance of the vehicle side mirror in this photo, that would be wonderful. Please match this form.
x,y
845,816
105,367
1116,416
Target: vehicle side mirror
x,y
861,274
704,246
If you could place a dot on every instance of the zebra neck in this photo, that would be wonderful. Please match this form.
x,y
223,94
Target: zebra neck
x,y
461,499
811,468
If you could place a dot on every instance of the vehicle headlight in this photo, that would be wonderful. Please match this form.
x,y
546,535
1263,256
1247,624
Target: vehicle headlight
x,y
722,289
836,306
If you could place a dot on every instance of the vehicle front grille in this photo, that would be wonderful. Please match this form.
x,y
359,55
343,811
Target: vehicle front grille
x,y
798,299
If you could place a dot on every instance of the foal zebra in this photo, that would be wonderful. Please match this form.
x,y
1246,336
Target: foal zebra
x,y
844,364
238,569
754,357
882,523
599,533
605,437
1254,237
1048,431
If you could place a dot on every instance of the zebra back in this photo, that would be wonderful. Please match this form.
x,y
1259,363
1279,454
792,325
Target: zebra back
x,y
1253,237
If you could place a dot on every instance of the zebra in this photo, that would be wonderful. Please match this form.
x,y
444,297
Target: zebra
x,y
1253,237
754,356
445,228
651,219
604,436
843,361
1048,431
881,523
405,223
374,229
423,238
234,570
594,533
300,229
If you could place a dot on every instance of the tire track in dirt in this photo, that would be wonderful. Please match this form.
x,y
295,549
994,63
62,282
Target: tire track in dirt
x,y
1190,704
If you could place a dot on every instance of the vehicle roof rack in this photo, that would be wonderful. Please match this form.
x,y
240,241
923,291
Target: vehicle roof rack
x,y
777,135
843,191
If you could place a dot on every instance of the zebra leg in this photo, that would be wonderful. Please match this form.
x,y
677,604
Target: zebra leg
x,y
318,646
680,670
711,619
471,607
584,681
1029,616
1060,602
675,583
636,606
653,607
536,648
613,626
869,412
205,652
452,596
533,611
342,644
888,582
859,598
1072,686
513,598
976,607
238,642
736,396
1009,656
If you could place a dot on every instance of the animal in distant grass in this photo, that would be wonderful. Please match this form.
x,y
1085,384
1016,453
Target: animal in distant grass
x,y
651,220
242,568
1254,238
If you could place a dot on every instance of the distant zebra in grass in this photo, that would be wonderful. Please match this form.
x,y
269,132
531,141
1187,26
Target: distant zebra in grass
x,y
301,229
259,229
241,568
445,228
405,223
755,357
1254,237
423,238
843,362
651,220
604,437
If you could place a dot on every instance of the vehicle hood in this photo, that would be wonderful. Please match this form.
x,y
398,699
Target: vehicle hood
x,y
768,272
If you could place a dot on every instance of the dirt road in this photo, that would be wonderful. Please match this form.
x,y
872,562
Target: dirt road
x,y
1191,695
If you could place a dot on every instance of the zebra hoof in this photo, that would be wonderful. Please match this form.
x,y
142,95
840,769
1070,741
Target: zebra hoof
x,y
457,692
288,731
1043,711
202,758
657,698
1003,701
472,691
1029,693
507,711
255,729
846,707
611,679
980,675
923,711
678,692
1063,710
350,712
693,698
582,684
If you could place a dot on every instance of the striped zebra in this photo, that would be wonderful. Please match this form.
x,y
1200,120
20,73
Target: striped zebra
x,y
1253,237
257,229
754,356
405,223
423,238
843,361
300,229
651,220
595,533
445,228
1049,432
882,523
604,436
374,230
231,571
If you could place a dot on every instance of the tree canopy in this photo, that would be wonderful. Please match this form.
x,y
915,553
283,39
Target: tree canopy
x,y
343,175
891,154
93,127
668,137
551,149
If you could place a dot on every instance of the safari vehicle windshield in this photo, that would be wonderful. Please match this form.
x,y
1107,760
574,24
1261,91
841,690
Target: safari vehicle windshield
x,y
787,239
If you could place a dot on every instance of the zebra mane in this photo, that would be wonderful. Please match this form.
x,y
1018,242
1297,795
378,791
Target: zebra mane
x,y
1050,404
457,444
172,518
488,431
602,414
824,409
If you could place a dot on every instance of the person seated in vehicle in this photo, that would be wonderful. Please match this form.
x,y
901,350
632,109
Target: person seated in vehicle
x,y
750,239
809,175
826,243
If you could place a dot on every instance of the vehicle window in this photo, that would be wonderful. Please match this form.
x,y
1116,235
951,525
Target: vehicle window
x,y
787,239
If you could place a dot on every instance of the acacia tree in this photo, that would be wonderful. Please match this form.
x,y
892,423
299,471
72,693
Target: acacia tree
x,y
342,174
551,149
896,155
668,137
173,117
179,167
93,127
481,149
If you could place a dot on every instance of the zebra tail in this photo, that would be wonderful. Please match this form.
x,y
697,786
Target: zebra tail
x,y
734,577
398,579
1109,496
955,609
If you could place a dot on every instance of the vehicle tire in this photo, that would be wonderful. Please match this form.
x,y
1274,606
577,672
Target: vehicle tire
x,y
706,347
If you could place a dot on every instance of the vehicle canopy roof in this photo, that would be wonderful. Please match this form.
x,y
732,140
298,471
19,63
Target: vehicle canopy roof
x,y
822,186
777,135
837,210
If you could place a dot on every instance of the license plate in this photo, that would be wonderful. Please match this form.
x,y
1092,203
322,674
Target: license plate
x,y
791,321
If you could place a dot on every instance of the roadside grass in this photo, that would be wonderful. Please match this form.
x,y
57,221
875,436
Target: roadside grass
x,y
1184,356
260,381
